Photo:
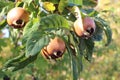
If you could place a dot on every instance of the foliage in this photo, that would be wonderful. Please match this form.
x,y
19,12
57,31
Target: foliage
x,y
55,18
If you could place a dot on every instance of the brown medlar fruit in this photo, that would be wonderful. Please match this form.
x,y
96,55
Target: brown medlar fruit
x,y
54,49
17,17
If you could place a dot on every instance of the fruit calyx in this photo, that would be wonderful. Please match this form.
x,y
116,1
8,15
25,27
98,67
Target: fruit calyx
x,y
89,27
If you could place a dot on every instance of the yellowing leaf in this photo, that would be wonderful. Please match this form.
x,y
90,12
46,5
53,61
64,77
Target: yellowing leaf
x,y
49,6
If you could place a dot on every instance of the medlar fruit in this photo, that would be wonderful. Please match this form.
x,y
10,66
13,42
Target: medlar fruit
x,y
89,26
54,49
17,17
84,28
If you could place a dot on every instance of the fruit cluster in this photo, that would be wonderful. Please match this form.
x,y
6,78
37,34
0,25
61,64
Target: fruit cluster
x,y
18,17
53,28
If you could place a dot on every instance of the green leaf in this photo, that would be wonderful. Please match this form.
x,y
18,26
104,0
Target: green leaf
x,y
89,48
79,48
75,2
19,4
57,32
5,7
3,23
2,44
18,62
62,5
10,62
31,7
14,35
89,12
2,74
78,58
73,64
27,1
98,34
74,68
30,27
84,47
36,42
106,28
53,1
90,3
24,63
53,21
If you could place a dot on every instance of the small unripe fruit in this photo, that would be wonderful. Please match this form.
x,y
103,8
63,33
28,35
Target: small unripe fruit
x,y
17,17
89,26
54,49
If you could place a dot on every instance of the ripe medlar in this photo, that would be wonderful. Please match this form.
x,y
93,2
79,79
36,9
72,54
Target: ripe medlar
x,y
17,17
89,26
54,49
84,28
